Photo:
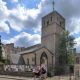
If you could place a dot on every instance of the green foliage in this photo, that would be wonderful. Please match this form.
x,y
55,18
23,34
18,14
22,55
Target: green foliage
x,y
66,48
0,49
50,71
71,58
58,70
50,68
62,48
2,60
5,61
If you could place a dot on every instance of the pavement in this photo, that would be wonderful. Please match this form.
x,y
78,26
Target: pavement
x,y
7,77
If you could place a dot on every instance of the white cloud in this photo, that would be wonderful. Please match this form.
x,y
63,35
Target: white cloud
x,y
75,25
4,27
21,17
3,9
70,10
24,39
45,7
3,17
33,13
15,1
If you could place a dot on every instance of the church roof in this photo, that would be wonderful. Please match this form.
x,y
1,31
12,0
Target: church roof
x,y
31,49
34,50
34,46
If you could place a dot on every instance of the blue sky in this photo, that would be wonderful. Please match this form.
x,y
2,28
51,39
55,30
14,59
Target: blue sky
x,y
20,20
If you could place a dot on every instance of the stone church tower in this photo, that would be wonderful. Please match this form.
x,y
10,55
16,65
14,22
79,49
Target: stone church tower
x,y
52,25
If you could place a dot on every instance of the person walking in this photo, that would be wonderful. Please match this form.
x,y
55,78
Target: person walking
x,y
36,72
43,72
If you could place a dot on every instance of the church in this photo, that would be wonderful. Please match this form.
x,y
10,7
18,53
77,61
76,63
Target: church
x,y
46,52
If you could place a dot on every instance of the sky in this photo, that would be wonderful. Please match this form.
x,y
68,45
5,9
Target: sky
x,y
20,20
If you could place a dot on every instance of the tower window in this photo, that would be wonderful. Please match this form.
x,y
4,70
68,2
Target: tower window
x,y
57,18
44,23
47,22
60,24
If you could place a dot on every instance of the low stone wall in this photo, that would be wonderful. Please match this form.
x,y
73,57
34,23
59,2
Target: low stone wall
x,y
77,70
24,74
1,67
16,70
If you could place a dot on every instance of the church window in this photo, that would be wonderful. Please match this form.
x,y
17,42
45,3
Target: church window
x,y
44,23
33,59
60,24
43,58
47,22
57,18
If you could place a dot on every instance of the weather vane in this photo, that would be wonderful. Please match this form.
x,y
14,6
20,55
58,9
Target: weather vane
x,y
53,4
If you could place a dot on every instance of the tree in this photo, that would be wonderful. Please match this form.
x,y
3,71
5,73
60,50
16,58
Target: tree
x,y
66,54
0,49
62,48
66,48
70,49
2,60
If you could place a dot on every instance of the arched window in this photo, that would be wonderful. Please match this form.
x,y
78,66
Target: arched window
x,y
47,22
43,58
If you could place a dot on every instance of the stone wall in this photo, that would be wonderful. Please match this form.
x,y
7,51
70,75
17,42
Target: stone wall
x,y
77,70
